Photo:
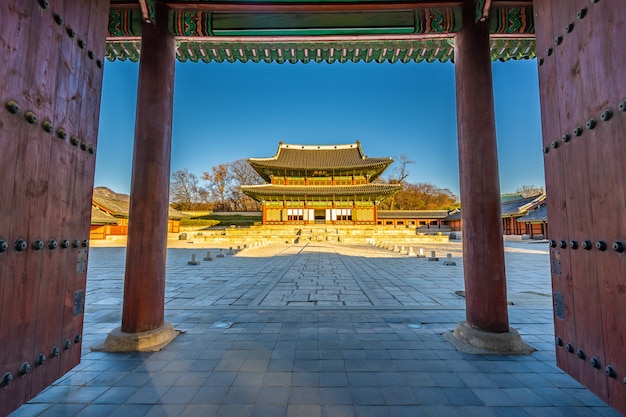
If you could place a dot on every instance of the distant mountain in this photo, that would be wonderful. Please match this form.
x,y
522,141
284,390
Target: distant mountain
x,y
108,194
118,204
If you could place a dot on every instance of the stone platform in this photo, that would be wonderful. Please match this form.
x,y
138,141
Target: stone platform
x,y
317,233
317,329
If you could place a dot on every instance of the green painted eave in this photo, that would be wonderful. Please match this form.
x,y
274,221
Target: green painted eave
x,y
417,50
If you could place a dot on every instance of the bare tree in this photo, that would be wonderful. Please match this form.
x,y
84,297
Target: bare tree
x,y
222,191
185,191
530,190
218,178
421,196
242,173
399,174
401,170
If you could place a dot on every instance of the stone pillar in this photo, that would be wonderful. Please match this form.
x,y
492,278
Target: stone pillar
x,y
483,251
143,326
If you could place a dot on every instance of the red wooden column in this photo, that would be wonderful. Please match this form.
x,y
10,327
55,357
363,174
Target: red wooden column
x,y
483,251
144,285
143,326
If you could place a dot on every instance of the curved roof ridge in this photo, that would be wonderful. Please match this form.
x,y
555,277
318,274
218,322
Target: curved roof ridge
x,y
334,187
321,159
297,146
357,145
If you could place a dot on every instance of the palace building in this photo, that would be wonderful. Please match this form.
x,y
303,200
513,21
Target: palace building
x,y
325,184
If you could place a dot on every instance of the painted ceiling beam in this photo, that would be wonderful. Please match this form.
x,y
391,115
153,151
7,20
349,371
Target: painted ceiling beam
x,y
312,7
421,33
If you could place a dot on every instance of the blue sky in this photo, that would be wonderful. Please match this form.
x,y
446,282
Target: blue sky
x,y
224,112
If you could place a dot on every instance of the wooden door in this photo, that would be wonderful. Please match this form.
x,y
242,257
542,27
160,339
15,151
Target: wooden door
x,y
581,58
50,83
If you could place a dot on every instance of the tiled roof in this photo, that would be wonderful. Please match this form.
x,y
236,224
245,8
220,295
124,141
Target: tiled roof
x,y
311,190
521,205
456,215
514,207
113,207
538,215
412,214
99,217
320,157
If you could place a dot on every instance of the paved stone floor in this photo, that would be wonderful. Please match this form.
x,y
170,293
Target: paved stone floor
x,y
318,329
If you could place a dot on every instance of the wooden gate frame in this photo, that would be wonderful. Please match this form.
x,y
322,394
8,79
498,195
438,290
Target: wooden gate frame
x,y
55,54
583,108
50,95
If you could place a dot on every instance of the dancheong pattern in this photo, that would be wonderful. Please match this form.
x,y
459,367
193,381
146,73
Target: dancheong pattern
x,y
293,44
512,20
190,23
438,20
124,23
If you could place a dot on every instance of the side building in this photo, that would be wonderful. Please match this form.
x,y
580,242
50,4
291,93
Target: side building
x,y
320,184
520,216
109,214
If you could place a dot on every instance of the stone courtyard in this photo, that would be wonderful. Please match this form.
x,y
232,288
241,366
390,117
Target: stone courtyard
x,y
318,329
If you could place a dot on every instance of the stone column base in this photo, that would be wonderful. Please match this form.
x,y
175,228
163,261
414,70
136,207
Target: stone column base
x,y
470,340
150,341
